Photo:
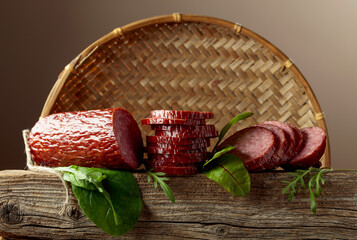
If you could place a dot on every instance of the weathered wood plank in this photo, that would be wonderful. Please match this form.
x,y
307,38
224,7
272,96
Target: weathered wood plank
x,y
30,202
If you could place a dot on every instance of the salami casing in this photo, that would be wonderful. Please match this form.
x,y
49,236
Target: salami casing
x,y
108,138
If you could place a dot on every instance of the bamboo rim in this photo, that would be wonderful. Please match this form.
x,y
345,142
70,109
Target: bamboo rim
x,y
177,17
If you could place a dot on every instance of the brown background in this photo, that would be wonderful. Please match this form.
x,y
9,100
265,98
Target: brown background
x,y
38,38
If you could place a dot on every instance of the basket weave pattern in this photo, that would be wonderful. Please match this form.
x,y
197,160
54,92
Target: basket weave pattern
x,y
188,66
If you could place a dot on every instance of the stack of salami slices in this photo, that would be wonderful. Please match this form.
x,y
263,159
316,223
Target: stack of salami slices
x,y
271,144
179,146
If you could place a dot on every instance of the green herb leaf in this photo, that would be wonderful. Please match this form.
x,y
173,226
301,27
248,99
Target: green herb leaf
x,y
218,154
312,195
115,206
230,173
161,180
225,129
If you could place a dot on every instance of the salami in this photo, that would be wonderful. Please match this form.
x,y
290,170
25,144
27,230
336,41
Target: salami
x,y
298,139
176,140
154,150
152,163
178,171
179,158
314,144
187,134
254,145
175,114
179,147
168,121
282,145
290,138
108,138
206,128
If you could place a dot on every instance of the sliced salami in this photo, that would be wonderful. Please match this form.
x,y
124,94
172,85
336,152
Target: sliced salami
x,y
179,147
168,121
282,145
290,138
178,171
153,163
314,144
206,128
254,145
154,150
175,114
298,141
179,158
176,140
187,134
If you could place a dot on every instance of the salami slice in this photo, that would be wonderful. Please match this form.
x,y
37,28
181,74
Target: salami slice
x,y
108,138
176,140
168,121
178,171
154,150
206,128
314,144
290,138
153,163
187,134
179,147
179,158
298,139
282,145
254,145
176,114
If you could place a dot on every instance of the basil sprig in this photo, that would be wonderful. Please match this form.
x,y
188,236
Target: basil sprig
x,y
110,199
227,169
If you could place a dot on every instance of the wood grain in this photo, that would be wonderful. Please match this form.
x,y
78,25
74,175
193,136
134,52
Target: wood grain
x,y
30,203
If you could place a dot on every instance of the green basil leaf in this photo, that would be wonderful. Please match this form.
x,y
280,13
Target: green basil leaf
x,y
71,177
218,154
225,129
230,173
125,198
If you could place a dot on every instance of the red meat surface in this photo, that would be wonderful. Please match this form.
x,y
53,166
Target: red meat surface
x,y
108,138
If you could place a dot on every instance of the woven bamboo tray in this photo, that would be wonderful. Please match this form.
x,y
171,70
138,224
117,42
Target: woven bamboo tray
x,y
187,62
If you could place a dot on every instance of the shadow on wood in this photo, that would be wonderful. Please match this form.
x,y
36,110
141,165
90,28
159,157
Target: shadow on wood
x,y
30,203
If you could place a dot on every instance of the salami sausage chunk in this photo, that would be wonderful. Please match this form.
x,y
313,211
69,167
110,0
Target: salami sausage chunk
x,y
175,114
108,138
254,145
314,144
168,121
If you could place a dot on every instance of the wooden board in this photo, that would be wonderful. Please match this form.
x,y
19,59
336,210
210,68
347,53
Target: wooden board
x,y
30,203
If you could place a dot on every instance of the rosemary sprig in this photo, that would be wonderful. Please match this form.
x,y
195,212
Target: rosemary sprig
x,y
314,184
